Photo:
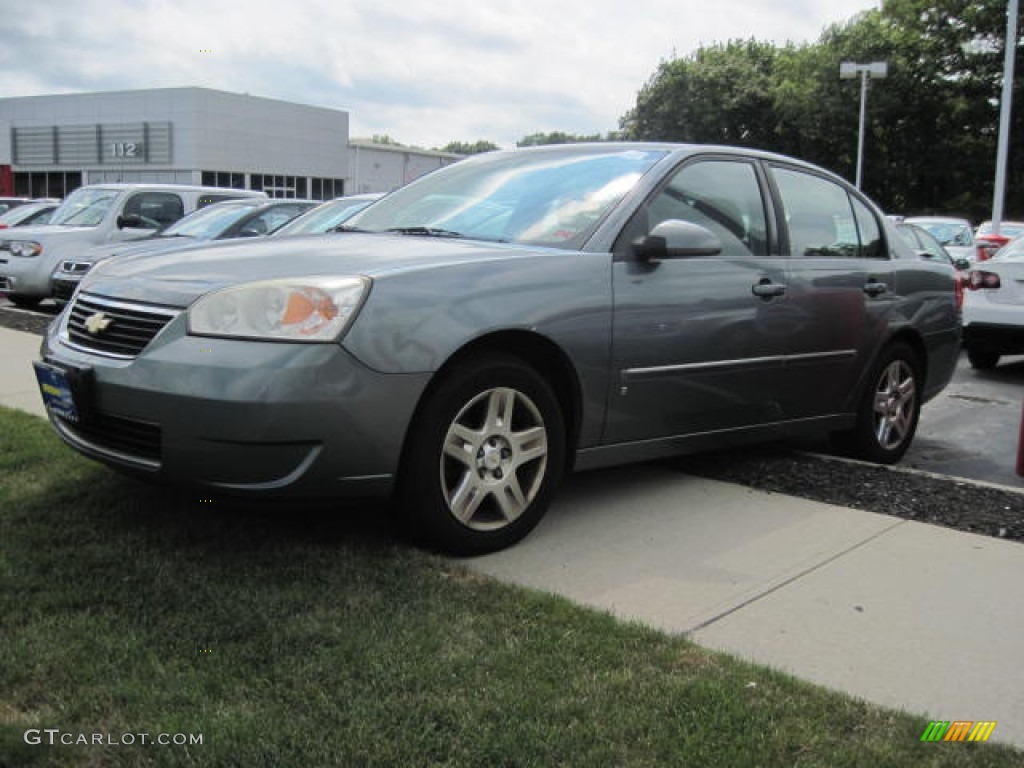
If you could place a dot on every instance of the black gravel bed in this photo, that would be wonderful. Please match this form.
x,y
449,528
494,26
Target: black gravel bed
x,y
953,503
962,505
31,322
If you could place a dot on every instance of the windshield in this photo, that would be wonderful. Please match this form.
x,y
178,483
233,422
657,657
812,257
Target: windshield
x,y
207,223
85,207
947,233
538,197
323,218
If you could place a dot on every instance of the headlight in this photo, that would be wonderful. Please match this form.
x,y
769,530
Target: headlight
x,y
25,248
303,309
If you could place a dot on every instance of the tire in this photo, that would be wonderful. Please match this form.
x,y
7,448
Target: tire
x,y
483,459
889,408
25,302
981,357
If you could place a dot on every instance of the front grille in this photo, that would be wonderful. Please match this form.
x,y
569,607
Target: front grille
x,y
118,328
63,289
128,438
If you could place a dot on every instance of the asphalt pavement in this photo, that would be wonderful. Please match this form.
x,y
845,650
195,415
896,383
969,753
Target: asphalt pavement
x,y
899,613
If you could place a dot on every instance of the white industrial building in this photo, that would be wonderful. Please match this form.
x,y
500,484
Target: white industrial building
x,y
50,145
382,167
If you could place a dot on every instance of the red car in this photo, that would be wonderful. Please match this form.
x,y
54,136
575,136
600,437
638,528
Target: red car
x,y
989,242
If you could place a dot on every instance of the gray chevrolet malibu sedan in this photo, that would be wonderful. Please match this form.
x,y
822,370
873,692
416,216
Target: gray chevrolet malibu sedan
x,y
476,334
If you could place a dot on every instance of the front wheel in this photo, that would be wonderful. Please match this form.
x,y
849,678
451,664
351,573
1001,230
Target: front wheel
x,y
483,458
889,409
24,302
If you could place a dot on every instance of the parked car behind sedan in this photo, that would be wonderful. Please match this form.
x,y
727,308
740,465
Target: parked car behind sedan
x,y
953,234
28,215
922,242
93,215
244,217
482,330
989,242
994,307
327,216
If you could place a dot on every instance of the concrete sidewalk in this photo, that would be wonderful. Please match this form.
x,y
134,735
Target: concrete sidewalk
x,y
18,388
900,613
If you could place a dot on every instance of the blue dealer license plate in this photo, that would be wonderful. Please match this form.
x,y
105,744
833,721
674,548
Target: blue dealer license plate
x,y
56,391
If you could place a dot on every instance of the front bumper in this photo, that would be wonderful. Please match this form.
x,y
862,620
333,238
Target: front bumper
x,y
242,417
1004,339
25,276
995,325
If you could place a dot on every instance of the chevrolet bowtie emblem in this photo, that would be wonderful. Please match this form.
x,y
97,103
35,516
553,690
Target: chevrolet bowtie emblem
x,y
96,323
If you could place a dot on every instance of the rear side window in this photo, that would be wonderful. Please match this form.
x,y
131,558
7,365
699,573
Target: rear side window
x,y
824,220
155,209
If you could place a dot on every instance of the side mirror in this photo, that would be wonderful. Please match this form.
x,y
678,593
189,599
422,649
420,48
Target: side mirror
x,y
129,220
962,264
675,239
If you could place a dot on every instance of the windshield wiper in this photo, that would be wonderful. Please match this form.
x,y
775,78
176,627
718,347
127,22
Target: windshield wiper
x,y
425,231
345,228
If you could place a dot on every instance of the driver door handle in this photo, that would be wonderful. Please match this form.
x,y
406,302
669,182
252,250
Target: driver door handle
x,y
766,289
874,288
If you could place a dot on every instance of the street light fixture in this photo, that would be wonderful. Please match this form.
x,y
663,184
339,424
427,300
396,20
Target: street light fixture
x,y
848,70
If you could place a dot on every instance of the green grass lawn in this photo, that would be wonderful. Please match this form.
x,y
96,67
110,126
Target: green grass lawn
x,y
300,637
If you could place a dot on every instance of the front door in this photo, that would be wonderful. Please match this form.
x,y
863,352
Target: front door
x,y
699,343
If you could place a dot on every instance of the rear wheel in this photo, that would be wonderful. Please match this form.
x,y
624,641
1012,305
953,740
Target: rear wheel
x,y
484,456
889,408
982,357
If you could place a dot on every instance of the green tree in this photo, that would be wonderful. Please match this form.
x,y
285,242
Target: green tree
x,y
932,126
558,137
466,148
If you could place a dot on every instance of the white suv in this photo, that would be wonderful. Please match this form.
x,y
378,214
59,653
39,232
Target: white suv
x,y
91,215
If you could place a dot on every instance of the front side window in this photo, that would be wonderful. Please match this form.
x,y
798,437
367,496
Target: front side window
x,y
820,216
155,209
723,196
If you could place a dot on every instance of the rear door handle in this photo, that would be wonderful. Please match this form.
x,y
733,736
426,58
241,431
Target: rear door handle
x,y
766,289
873,288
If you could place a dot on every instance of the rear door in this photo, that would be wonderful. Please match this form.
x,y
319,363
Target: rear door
x,y
840,289
699,342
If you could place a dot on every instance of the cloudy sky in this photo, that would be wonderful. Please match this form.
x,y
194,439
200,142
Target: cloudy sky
x,y
425,73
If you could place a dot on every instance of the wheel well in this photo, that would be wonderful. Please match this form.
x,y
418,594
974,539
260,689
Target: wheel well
x,y
916,343
906,336
546,357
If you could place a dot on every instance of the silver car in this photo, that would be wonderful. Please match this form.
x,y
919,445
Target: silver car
x,y
466,340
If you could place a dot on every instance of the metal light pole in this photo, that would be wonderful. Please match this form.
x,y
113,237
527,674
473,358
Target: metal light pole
x,y
848,70
1010,49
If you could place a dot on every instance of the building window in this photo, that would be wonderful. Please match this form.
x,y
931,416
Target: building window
x,y
225,179
46,184
326,189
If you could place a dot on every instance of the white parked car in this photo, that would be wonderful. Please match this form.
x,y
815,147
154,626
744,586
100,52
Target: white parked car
x,y
994,307
93,215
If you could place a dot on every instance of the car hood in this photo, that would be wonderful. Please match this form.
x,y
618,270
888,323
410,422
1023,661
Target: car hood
x,y
46,233
136,247
179,278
